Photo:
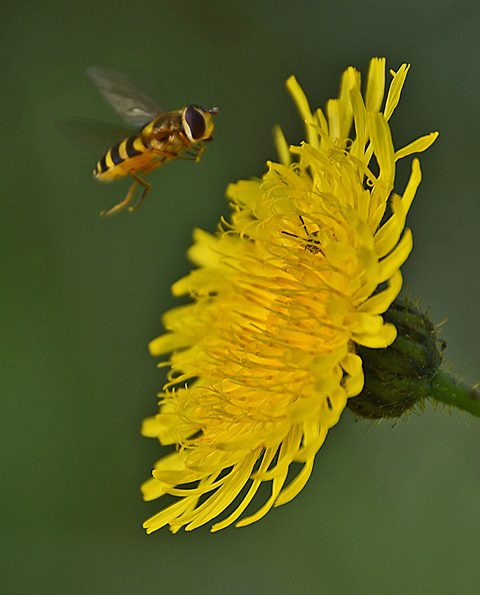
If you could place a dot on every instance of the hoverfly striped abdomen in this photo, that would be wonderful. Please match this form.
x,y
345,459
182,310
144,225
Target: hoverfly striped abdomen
x,y
112,165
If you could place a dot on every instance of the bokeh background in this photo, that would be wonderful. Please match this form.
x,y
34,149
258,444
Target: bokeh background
x,y
391,507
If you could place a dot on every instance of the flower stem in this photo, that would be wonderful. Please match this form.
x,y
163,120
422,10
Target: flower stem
x,y
447,390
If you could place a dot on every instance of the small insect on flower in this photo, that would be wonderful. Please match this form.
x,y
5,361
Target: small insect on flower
x,y
161,136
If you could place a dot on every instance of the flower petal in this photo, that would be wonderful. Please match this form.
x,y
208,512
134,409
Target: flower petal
x,y
395,90
417,146
375,85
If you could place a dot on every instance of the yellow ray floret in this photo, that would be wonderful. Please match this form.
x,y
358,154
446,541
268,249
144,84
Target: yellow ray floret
x,y
263,360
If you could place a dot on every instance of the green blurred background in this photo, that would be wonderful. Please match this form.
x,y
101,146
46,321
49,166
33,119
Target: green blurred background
x,y
391,507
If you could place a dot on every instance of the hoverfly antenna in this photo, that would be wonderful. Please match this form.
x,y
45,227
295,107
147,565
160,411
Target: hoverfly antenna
x,y
214,110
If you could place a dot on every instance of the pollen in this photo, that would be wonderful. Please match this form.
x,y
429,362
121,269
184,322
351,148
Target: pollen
x,y
263,359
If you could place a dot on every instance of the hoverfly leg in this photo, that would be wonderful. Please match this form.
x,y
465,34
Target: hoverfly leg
x,y
199,153
193,154
146,189
189,157
121,205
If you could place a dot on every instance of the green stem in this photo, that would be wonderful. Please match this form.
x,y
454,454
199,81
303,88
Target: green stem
x,y
447,390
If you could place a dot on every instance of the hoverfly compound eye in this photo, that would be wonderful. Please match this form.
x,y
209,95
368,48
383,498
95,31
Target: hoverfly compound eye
x,y
194,123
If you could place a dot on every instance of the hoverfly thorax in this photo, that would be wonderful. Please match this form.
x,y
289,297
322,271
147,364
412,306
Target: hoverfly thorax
x,y
197,122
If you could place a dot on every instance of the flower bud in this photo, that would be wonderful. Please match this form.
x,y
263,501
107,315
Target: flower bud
x,y
399,376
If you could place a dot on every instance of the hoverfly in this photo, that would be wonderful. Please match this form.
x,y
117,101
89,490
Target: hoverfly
x,y
161,136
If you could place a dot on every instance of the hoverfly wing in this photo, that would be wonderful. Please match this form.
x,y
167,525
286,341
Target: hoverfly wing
x,y
93,135
134,106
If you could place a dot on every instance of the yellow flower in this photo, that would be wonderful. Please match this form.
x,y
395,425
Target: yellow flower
x,y
263,361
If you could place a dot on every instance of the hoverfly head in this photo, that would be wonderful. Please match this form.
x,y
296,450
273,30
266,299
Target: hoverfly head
x,y
198,122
